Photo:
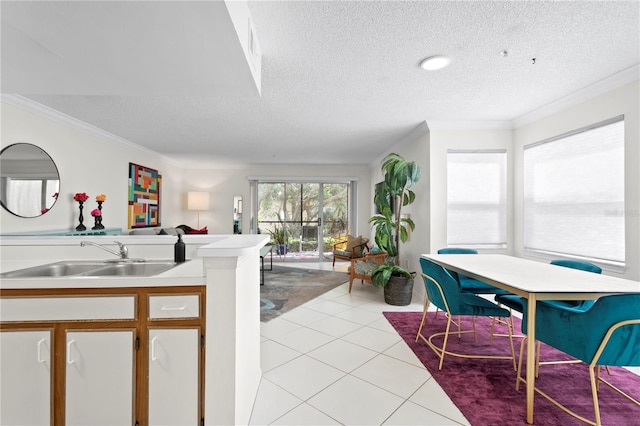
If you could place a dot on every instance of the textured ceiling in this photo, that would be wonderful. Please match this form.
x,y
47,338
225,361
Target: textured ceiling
x,y
341,81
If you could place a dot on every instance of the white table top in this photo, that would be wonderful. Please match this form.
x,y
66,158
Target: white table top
x,y
522,276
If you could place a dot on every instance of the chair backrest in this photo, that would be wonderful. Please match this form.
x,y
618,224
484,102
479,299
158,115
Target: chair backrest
x,y
456,250
578,264
581,333
623,346
442,289
583,266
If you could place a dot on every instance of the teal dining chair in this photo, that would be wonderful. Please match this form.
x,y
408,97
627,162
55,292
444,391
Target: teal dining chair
x,y
469,284
607,333
445,293
474,286
515,302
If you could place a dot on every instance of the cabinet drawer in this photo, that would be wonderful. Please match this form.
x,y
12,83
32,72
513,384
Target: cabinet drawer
x,y
183,306
67,308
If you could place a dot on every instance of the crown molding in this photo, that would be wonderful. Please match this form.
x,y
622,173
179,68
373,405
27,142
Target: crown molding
x,y
619,79
418,131
28,105
470,125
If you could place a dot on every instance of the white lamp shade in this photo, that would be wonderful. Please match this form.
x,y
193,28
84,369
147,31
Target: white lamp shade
x,y
198,201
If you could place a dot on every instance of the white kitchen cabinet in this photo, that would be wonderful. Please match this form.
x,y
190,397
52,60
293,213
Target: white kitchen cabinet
x,y
25,388
115,356
174,376
100,377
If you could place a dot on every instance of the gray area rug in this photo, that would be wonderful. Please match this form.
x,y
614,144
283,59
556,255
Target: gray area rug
x,y
288,287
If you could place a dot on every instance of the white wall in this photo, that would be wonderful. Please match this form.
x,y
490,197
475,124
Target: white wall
x,y
443,140
86,163
98,165
621,101
225,183
416,149
430,210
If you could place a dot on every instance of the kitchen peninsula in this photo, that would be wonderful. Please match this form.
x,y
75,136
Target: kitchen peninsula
x,y
197,325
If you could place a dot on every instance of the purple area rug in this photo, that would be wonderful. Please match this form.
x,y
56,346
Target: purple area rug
x,y
484,389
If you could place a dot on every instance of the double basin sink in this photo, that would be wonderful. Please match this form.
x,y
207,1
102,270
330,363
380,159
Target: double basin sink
x,y
93,268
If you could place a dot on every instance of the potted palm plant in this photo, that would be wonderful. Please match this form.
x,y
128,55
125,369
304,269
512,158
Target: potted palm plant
x,y
280,239
391,228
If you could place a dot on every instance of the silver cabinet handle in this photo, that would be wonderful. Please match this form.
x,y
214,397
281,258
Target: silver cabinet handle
x,y
169,308
39,346
69,359
153,349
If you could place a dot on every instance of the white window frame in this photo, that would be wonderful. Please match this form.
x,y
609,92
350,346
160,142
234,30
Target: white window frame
x,y
534,248
499,205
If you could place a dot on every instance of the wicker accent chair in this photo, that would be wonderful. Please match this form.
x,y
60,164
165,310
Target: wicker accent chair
x,y
350,248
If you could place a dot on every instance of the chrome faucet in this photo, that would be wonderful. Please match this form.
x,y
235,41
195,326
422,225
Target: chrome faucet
x,y
123,253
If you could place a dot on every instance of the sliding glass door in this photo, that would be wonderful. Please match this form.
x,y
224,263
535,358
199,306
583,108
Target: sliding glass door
x,y
303,218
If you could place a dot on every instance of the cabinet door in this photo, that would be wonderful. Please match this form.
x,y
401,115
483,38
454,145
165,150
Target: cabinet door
x,y
100,378
173,376
25,388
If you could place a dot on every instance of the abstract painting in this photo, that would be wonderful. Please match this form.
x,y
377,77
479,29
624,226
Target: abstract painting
x,y
144,196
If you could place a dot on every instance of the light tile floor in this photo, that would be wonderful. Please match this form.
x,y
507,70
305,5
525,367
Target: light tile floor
x,y
337,360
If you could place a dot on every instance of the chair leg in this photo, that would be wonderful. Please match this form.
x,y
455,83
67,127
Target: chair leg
x,y
475,336
594,392
493,329
444,344
424,316
524,342
538,345
513,351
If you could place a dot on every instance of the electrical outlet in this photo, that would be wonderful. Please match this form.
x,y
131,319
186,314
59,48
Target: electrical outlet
x,y
406,264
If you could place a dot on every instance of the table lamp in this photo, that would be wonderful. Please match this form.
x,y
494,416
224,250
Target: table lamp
x,y
198,201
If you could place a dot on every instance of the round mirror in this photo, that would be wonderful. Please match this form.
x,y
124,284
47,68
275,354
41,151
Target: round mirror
x,y
29,180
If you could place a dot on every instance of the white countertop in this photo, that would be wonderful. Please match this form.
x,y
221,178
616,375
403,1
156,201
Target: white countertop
x,y
188,273
74,240
240,245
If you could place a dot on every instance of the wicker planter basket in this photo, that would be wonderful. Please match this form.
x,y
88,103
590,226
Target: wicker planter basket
x,y
398,291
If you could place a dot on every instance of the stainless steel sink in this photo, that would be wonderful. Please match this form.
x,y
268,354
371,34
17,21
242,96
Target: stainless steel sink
x,y
59,269
87,268
144,269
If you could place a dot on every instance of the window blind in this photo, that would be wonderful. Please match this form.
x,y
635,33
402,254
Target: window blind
x,y
574,193
477,199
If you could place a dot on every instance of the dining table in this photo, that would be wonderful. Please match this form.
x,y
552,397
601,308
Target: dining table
x,y
534,280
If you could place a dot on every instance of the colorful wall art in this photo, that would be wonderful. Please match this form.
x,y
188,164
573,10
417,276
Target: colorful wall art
x,y
144,196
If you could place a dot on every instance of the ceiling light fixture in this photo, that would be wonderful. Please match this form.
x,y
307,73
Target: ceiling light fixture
x,y
437,62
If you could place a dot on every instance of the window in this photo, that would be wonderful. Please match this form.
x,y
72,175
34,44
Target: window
x,y
574,193
477,199
303,215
